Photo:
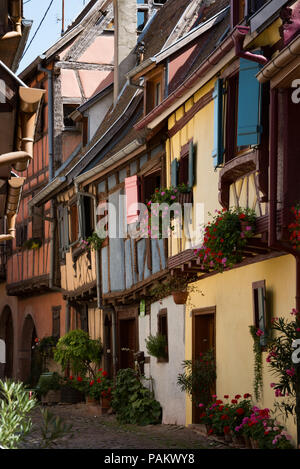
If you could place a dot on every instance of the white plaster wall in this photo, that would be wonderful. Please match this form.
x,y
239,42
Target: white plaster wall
x,y
97,113
165,375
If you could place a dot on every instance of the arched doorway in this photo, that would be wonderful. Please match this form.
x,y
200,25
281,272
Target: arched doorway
x,y
26,354
7,334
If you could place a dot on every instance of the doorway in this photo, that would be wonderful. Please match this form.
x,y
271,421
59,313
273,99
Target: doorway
x,y
204,339
128,336
7,334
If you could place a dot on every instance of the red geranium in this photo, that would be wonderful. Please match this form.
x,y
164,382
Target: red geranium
x,y
104,373
240,411
247,395
79,378
226,429
234,401
238,396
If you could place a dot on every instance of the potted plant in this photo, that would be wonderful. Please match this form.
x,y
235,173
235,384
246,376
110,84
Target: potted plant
x,y
198,378
157,346
76,351
48,388
225,237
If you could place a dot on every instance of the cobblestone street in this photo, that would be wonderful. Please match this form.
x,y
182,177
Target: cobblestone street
x,y
104,432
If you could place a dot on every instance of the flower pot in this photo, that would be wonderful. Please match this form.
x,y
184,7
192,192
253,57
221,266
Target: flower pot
x,y
91,400
247,441
180,297
70,395
52,397
254,443
228,437
238,439
105,404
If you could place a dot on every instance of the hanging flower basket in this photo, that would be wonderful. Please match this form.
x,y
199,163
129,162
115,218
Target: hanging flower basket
x,y
180,297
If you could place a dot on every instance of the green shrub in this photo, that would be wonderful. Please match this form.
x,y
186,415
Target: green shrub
x,y
49,382
157,346
133,402
15,404
77,351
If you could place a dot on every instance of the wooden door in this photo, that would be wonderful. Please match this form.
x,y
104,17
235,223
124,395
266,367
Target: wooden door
x,y
203,340
127,342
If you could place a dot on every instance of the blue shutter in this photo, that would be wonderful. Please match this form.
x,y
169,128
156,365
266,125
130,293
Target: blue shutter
x,y
191,179
249,106
174,167
218,150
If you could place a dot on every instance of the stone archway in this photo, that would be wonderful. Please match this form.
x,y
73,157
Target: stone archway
x,y
27,349
7,334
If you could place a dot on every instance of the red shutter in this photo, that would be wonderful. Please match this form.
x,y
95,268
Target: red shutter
x,y
132,199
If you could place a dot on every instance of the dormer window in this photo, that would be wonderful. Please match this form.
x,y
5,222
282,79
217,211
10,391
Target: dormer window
x,y
69,123
243,9
153,90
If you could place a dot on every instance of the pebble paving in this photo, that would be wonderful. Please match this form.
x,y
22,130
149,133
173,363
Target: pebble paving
x,y
91,431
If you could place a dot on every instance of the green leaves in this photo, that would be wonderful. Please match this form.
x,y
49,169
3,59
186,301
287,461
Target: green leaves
x,y
198,378
15,404
78,351
52,429
133,402
157,346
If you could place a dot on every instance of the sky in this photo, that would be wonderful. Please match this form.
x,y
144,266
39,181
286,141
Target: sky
x,y
50,30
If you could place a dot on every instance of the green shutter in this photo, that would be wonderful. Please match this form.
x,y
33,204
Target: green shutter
x,y
218,150
249,104
191,180
174,178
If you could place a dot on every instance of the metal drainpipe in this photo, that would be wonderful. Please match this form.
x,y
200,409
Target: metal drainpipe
x,y
114,350
97,253
50,166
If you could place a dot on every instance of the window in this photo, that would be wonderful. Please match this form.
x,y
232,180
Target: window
x,y
63,227
142,18
68,121
87,217
148,184
56,321
74,223
259,308
153,91
183,170
84,319
38,223
162,329
237,112
21,235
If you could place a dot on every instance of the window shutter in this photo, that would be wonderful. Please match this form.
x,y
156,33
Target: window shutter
x,y
218,150
132,199
174,167
259,302
81,217
249,105
66,227
38,222
191,178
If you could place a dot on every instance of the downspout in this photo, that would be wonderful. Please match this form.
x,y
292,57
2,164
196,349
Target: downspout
x,y
50,167
238,39
97,252
114,333
272,229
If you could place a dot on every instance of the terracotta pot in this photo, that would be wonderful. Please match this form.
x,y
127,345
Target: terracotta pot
x,y
238,439
180,297
105,403
91,400
254,443
247,441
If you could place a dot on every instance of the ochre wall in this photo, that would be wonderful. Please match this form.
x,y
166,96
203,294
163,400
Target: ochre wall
x,y
231,294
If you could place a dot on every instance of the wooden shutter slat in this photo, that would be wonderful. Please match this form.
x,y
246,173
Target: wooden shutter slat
x,y
249,104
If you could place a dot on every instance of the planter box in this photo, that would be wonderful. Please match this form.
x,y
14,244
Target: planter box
x,y
70,395
52,397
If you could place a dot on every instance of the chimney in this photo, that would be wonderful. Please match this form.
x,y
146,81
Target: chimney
x,y
125,22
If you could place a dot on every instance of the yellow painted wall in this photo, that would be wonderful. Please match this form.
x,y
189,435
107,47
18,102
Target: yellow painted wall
x,y
201,129
231,294
72,280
